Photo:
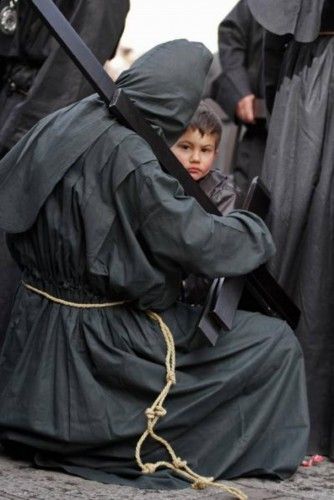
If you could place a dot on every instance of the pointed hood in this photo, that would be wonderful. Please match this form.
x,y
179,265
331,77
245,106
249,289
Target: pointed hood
x,y
165,83
300,18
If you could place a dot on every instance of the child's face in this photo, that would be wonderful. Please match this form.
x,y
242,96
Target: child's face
x,y
196,152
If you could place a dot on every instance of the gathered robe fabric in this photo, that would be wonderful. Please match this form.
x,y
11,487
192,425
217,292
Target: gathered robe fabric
x,y
298,170
46,80
75,383
240,40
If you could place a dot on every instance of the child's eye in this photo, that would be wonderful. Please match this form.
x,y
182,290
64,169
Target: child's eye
x,y
185,147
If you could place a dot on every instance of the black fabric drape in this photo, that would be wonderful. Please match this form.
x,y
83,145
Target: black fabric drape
x,y
299,171
300,18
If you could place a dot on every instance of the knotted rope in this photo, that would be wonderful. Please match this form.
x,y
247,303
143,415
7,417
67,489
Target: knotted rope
x,y
156,410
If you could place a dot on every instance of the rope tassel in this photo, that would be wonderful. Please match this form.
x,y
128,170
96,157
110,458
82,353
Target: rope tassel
x,y
157,411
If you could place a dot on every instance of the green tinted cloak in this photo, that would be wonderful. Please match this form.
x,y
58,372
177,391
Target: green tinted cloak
x,y
109,225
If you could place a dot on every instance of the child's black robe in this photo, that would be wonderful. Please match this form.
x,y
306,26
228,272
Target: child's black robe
x,y
94,218
299,171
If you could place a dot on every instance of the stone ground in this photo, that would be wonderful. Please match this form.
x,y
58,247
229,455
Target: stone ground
x,y
20,481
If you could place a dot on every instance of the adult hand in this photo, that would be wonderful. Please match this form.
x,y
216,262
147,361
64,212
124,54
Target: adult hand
x,y
245,109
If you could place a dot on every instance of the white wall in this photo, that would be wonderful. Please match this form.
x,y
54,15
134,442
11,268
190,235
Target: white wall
x,y
154,21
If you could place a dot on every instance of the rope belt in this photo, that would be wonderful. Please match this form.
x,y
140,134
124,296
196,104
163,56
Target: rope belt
x,y
62,302
156,410
326,33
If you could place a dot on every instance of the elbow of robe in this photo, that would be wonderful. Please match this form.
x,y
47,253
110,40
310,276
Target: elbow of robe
x,y
239,243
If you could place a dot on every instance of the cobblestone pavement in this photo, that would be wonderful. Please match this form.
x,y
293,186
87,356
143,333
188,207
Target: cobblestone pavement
x,y
20,481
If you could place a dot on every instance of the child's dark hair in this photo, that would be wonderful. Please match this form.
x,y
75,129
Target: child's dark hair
x,y
206,121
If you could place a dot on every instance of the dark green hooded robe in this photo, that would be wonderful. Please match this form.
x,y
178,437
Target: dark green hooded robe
x,y
93,218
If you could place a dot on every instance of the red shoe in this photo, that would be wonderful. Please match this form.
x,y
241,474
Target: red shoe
x,y
313,460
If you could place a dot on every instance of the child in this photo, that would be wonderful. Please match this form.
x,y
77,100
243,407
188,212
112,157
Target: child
x,y
197,150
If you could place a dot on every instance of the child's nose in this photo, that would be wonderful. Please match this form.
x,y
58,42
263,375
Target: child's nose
x,y
195,156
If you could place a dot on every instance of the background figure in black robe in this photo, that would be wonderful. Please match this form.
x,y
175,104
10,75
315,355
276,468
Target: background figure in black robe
x,y
240,50
299,171
37,78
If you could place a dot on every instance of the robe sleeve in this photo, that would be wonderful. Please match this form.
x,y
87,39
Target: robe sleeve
x,y
100,24
176,229
233,40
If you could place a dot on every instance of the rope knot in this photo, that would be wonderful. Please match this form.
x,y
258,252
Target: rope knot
x,y
179,463
150,413
158,411
149,468
171,378
200,484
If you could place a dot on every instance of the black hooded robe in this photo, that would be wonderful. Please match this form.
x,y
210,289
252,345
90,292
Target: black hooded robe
x,y
240,40
37,78
299,170
100,221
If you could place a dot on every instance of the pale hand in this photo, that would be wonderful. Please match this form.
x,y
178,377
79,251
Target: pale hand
x,y
245,109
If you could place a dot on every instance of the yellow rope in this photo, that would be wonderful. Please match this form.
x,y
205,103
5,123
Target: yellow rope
x,y
52,298
156,410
